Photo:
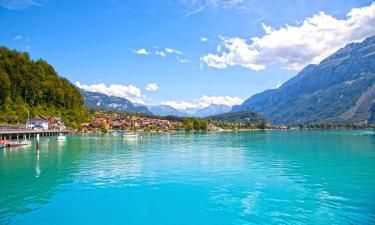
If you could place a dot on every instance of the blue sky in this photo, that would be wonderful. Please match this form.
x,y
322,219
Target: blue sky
x,y
210,56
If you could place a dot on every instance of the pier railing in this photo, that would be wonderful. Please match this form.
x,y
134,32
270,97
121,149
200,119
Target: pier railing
x,y
11,132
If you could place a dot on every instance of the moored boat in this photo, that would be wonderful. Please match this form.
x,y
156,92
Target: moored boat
x,y
130,135
14,143
61,137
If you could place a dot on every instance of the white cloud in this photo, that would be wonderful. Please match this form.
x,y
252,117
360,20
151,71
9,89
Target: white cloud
x,y
226,4
129,92
141,51
20,4
193,12
152,87
204,101
173,51
239,53
161,53
18,37
218,48
182,60
180,104
293,47
204,39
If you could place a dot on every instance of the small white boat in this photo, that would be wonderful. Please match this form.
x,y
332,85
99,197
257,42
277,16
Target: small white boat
x,y
130,135
61,137
26,142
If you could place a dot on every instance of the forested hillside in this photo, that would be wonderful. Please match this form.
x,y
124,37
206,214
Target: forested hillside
x,y
26,84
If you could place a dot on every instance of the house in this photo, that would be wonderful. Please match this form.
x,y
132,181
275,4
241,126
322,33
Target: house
x,y
37,123
54,122
117,125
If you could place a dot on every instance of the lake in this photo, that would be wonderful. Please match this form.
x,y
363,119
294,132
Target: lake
x,y
259,177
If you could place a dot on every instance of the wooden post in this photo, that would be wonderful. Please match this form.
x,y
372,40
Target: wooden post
x,y
37,144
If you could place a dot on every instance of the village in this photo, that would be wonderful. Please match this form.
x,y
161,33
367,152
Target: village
x,y
104,121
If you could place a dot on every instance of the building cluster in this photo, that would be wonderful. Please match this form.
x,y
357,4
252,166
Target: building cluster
x,y
45,123
130,122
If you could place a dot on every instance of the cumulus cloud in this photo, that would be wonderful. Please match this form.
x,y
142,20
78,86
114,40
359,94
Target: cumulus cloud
x,y
238,53
141,51
293,47
152,87
204,101
129,92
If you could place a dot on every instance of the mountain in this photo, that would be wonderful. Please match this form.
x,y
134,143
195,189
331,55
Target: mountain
x,y
340,89
34,86
166,110
212,110
240,117
95,100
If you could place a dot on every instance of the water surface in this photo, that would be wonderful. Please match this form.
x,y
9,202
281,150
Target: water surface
x,y
271,177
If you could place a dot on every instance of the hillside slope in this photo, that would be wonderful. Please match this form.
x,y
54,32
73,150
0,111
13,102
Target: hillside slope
x,y
94,100
29,85
340,89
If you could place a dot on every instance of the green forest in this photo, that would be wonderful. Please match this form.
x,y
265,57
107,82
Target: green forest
x,y
34,86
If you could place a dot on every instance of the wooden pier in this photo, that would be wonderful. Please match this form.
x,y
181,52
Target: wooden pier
x,y
28,133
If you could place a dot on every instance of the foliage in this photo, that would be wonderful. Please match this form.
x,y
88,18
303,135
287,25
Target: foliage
x,y
240,120
103,127
34,86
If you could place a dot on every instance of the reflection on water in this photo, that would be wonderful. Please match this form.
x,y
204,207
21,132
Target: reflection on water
x,y
293,177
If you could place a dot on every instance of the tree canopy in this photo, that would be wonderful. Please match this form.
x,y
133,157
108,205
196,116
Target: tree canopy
x,y
34,86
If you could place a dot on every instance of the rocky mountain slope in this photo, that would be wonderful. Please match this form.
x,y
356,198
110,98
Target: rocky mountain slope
x,y
340,89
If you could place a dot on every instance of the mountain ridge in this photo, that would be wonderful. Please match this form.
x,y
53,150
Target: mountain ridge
x,y
95,100
325,92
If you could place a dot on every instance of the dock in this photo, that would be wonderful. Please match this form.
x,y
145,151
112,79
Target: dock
x,y
28,133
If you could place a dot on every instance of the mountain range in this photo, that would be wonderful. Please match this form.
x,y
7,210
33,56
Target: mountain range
x,y
339,89
166,110
213,109
95,100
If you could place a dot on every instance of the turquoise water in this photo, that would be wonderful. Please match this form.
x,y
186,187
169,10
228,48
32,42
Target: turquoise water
x,y
272,177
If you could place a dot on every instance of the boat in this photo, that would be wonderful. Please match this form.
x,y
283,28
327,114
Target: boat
x,y
130,135
61,137
13,144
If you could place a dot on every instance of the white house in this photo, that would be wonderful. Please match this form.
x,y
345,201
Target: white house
x,y
37,123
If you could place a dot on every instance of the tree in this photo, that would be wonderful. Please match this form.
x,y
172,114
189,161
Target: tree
x,y
26,84
188,125
103,127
